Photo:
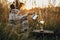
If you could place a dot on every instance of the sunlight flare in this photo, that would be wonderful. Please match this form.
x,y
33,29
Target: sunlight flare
x,y
29,4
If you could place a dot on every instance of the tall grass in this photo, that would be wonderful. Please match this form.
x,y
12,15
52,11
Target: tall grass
x,y
51,17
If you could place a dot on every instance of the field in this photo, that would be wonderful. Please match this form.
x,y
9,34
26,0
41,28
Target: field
x,y
50,15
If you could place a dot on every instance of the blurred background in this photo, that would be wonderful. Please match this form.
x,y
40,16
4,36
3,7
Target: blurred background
x,y
48,10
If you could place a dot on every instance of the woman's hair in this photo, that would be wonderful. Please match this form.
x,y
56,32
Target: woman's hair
x,y
21,4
